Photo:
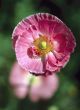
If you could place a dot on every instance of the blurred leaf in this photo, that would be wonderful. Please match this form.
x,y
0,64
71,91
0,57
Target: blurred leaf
x,y
53,108
22,10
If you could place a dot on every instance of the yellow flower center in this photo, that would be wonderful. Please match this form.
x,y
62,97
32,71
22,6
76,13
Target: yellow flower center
x,y
43,45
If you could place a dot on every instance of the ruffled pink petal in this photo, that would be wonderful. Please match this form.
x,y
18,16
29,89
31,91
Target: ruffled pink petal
x,y
71,44
52,68
63,43
64,61
28,26
59,43
54,63
60,27
34,65
18,31
61,58
64,36
47,29
29,38
46,23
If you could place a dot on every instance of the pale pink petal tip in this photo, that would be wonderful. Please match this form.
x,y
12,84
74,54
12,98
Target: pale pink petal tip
x,y
18,81
20,92
57,34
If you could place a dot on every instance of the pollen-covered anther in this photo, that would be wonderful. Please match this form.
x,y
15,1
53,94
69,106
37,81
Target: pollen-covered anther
x,y
43,45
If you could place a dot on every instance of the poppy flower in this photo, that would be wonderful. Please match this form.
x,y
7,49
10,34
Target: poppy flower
x,y
36,87
42,43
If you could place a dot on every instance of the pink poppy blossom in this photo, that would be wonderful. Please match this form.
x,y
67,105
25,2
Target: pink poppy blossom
x,y
42,43
36,87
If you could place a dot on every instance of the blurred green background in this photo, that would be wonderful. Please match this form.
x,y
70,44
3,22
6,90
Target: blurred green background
x,y
11,12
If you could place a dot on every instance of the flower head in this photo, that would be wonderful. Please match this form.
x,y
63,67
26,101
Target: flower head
x,y
42,43
37,87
